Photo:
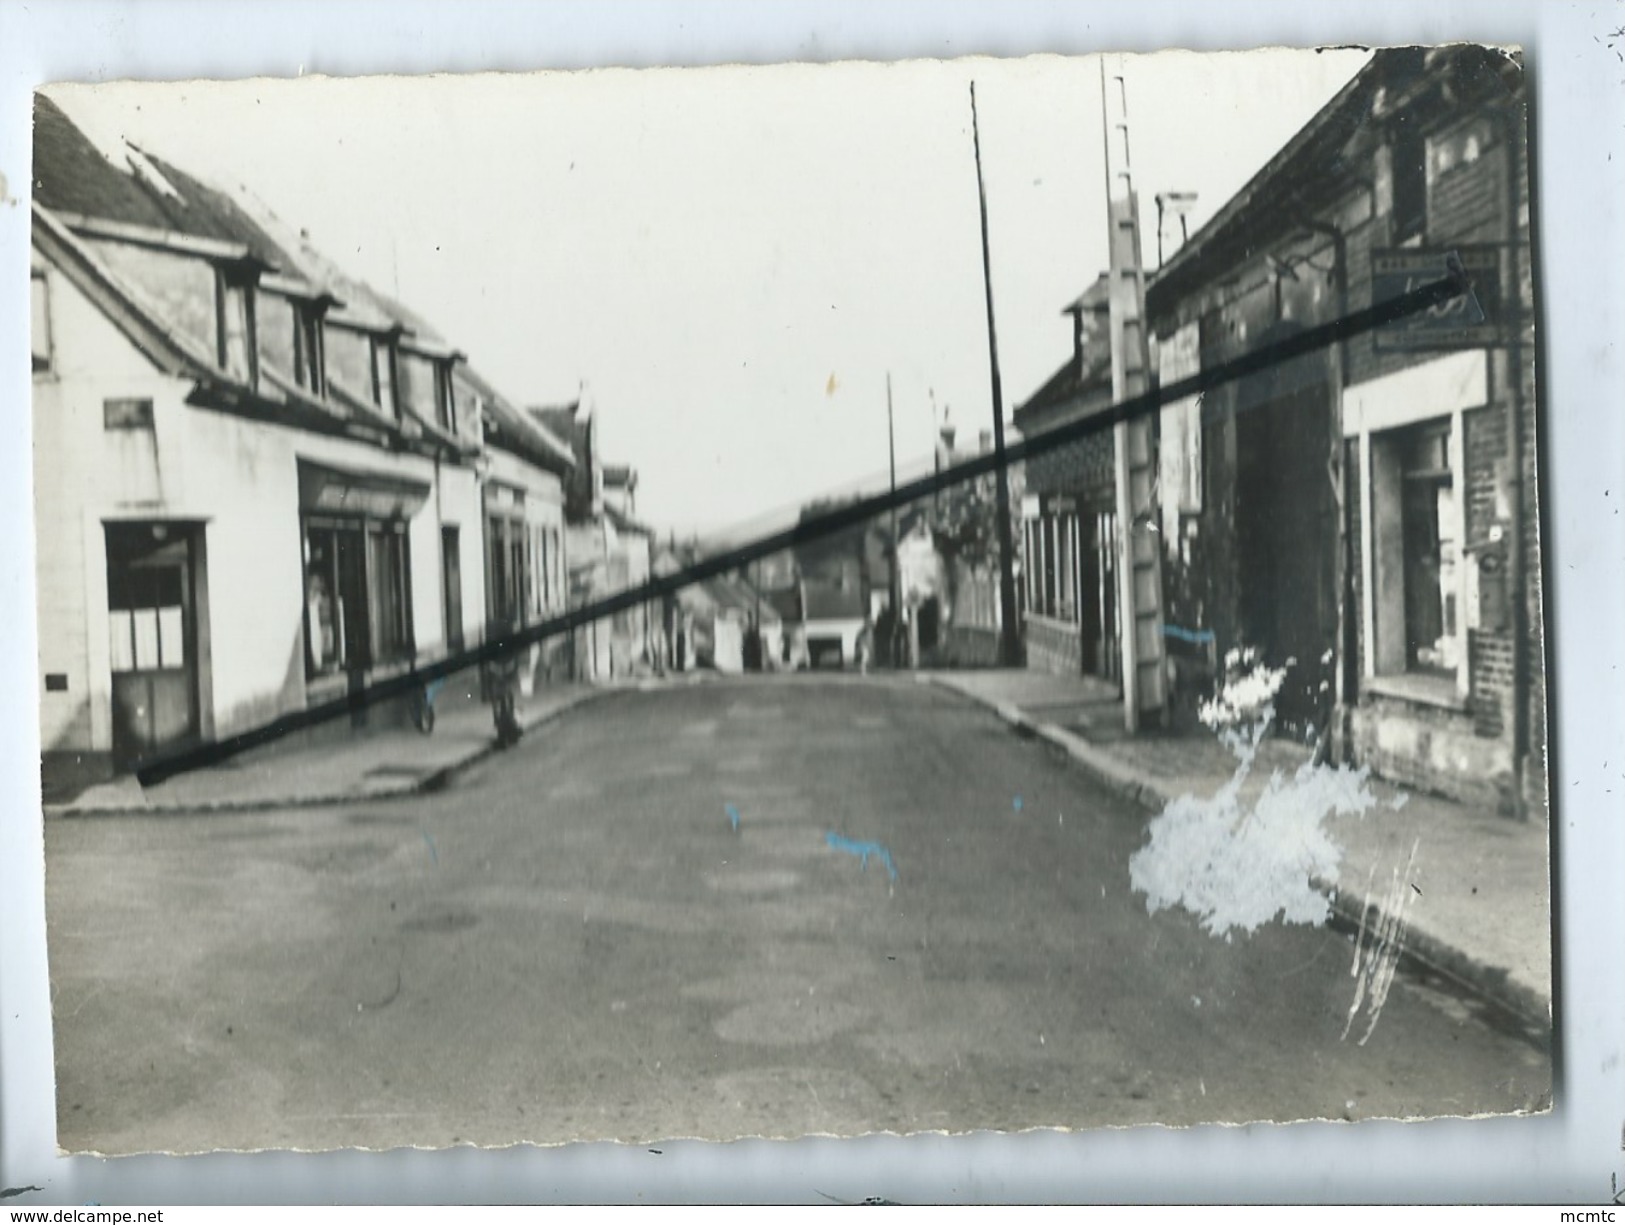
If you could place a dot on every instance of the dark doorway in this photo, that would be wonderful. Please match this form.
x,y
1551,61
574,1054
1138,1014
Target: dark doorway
x,y
451,557
1286,534
1097,595
152,618
930,617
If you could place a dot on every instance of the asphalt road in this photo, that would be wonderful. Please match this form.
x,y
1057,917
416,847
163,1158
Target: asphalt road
x,y
574,942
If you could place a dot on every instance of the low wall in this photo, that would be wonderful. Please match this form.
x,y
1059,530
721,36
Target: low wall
x,y
1431,750
1053,646
965,646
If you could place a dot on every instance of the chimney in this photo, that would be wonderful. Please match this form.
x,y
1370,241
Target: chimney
x,y
1077,338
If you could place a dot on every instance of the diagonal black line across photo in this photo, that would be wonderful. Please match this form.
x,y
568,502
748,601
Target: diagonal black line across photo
x,y
1265,357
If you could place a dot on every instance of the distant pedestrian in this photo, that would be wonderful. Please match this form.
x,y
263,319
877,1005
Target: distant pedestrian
x,y
501,680
865,646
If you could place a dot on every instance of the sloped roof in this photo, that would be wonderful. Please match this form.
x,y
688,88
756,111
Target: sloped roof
x,y
74,177
209,213
785,602
1281,181
831,602
1070,385
626,523
724,593
1096,297
560,420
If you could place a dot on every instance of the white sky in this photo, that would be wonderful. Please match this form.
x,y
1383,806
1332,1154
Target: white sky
x,y
732,258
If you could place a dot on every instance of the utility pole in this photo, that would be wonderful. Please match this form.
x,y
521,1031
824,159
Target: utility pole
x,y
896,584
1009,633
936,453
1139,600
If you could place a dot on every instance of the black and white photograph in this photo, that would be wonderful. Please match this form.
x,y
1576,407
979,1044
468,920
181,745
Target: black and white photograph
x,y
939,596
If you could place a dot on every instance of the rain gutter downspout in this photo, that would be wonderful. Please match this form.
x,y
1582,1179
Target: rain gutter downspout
x,y
1512,303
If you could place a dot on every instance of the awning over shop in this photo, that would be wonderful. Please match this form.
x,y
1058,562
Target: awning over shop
x,y
325,489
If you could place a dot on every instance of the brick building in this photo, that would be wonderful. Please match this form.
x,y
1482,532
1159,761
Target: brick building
x,y
1068,539
1369,512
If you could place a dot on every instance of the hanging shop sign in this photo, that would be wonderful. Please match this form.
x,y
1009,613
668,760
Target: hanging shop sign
x,y
1468,321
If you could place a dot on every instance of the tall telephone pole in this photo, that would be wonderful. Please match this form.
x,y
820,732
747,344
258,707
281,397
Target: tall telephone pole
x,y
896,581
1139,600
1009,632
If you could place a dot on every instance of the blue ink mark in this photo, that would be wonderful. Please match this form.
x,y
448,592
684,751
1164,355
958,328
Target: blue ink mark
x,y
733,816
1194,637
862,850
432,852
1017,804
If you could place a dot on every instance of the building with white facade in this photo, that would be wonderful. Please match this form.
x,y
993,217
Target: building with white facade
x,y
260,485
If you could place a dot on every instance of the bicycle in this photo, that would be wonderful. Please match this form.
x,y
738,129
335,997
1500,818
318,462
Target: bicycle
x,y
421,705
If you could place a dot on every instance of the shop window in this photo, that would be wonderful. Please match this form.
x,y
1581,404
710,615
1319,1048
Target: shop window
x,y
1416,554
1066,604
389,595
519,567
560,594
39,331
545,569
1046,531
357,594
451,571
507,569
1054,578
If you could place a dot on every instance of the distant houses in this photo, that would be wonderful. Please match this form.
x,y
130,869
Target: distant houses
x,y
610,551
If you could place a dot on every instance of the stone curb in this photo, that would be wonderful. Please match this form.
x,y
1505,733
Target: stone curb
x,y
1437,954
436,780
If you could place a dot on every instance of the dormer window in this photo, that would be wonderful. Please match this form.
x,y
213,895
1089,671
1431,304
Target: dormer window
x,y
234,315
292,338
383,374
309,349
445,400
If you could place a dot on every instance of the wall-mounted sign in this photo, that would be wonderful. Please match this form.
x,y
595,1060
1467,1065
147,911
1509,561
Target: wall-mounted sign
x,y
332,490
1468,321
1179,454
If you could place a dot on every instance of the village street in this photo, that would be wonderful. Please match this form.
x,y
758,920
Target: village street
x,y
638,926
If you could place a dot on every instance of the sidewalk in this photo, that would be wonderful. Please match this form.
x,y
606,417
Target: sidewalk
x,y
1483,913
337,763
